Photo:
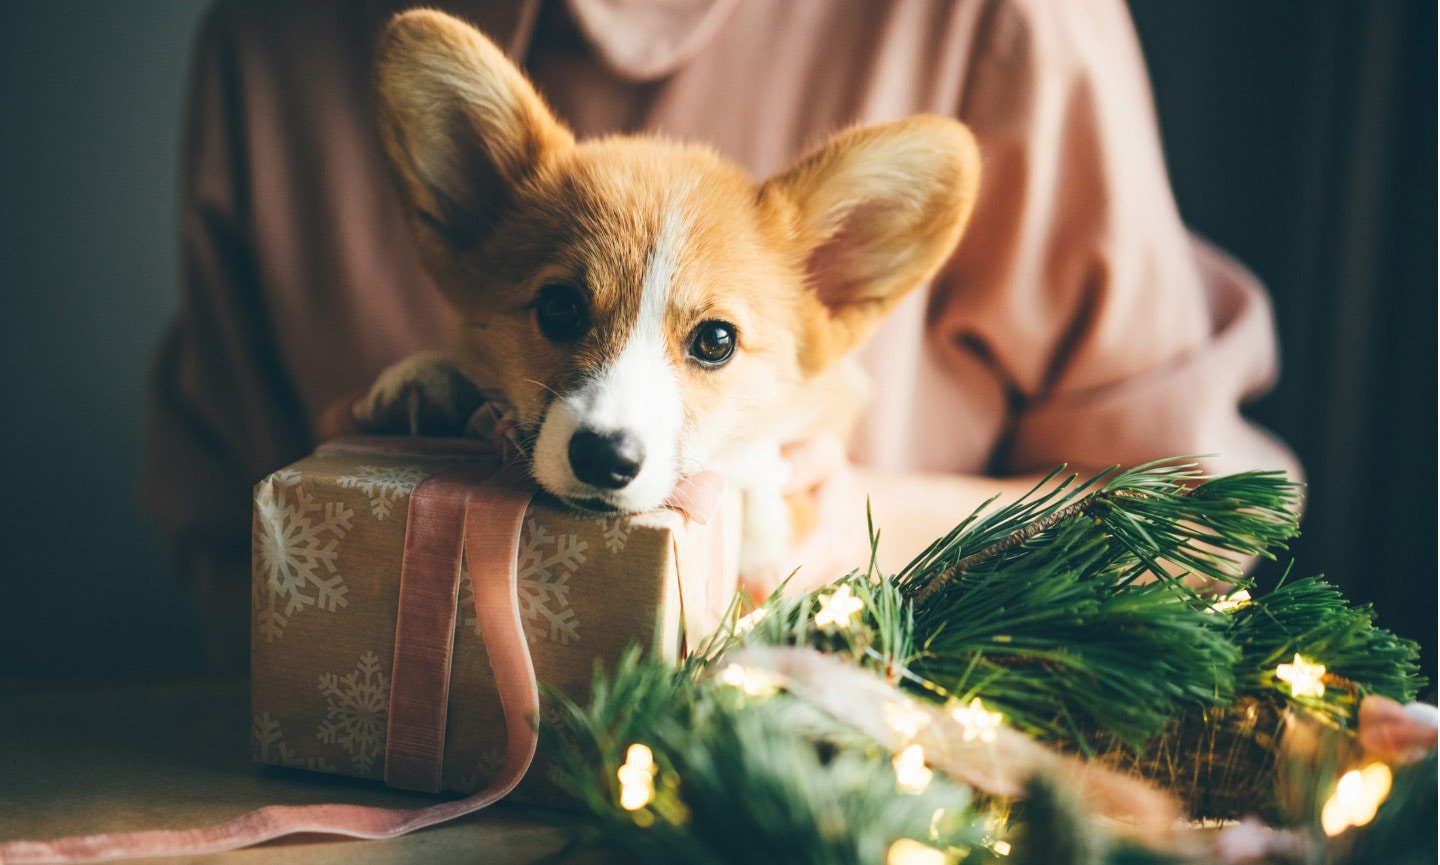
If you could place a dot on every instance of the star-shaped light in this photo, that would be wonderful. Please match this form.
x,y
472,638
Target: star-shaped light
x,y
906,719
747,623
1305,678
1232,602
751,681
637,778
977,721
837,608
911,773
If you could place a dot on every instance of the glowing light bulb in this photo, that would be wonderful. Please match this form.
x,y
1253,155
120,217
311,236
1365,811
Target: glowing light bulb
x,y
745,624
1356,799
1233,602
977,721
637,778
752,682
935,824
908,851
1001,848
1305,678
838,608
906,719
911,773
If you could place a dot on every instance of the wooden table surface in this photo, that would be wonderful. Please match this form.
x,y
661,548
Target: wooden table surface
x,y
81,759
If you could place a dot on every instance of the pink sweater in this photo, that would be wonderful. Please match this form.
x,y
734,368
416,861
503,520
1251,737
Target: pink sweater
x,y
1078,322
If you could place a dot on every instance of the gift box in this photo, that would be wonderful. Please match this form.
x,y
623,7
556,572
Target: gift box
x,y
339,539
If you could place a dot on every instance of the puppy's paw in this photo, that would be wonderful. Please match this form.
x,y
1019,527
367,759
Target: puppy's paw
x,y
423,395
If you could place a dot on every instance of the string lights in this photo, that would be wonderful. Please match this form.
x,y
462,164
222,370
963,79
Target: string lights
x,y
754,683
1306,679
977,721
637,778
906,719
837,608
1234,601
746,623
1356,799
911,774
908,851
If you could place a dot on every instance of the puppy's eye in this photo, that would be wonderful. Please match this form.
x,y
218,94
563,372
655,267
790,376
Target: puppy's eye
x,y
560,312
713,342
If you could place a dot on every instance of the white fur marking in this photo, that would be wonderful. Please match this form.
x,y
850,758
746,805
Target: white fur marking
x,y
638,394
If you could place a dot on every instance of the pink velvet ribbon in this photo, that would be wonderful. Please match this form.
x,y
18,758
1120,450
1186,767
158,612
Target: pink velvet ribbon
x,y
491,506
466,505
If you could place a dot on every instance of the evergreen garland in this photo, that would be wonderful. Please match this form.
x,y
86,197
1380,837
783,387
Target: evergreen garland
x,y
743,779
1068,611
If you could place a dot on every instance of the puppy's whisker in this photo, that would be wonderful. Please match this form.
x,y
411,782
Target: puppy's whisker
x,y
527,436
542,385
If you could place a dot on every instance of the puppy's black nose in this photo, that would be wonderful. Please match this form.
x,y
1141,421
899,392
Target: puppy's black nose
x,y
606,460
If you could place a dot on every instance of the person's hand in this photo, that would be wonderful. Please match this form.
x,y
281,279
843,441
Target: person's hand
x,y
910,510
832,537
1396,733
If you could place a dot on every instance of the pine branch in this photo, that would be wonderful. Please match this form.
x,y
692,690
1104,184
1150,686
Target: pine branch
x,y
1166,512
1310,617
1221,759
1005,544
742,779
1034,606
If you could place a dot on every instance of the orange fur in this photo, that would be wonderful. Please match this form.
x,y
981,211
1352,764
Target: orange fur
x,y
505,201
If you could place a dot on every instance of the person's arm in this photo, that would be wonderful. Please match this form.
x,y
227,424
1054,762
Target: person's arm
x,y
1077,296
1119,338
221,413
910,509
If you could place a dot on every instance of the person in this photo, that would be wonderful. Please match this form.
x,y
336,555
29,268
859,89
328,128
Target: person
x,y
1079,322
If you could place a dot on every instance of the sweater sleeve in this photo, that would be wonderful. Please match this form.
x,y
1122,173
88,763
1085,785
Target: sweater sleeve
x,y
221,410
1114,334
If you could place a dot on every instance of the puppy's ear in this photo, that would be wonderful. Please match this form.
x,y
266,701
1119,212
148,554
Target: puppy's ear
x,y
878,210
461,125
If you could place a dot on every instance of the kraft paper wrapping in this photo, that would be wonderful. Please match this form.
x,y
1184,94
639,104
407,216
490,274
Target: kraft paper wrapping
x,y
328,538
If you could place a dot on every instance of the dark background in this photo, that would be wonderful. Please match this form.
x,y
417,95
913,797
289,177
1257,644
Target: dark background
x,y
1301,137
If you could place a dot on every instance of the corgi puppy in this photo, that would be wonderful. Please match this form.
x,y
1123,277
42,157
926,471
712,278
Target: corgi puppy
x,y
647,308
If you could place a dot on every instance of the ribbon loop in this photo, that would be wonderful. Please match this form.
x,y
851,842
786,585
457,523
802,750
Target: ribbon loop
x,y
425,625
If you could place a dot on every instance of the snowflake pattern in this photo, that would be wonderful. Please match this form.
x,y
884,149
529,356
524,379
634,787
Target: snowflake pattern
x,y
295,551
543,573
385,485
271,747
355,708
487,766
544,583
617,531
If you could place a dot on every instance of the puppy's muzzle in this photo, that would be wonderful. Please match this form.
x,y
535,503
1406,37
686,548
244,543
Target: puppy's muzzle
x,y
608,460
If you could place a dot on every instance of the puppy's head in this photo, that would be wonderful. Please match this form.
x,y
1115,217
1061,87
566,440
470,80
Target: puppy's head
x,y
645,305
